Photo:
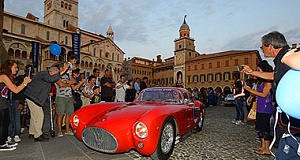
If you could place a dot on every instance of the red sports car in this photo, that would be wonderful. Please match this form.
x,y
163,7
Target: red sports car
x,y
150,125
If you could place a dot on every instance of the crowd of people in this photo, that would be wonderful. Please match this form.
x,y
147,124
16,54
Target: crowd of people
x,y
23,97
263,91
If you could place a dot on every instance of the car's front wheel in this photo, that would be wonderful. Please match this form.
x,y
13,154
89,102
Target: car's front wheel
x,y
166,142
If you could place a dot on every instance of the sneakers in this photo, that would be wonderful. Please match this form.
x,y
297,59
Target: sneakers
x,y
70,133
239,122
60,134
234,121
17,139
6,147
11,143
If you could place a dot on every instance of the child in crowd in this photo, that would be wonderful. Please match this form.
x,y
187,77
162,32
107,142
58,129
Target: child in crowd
x,y
97,97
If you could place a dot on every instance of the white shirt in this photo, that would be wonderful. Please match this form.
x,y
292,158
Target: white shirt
x,y
120,93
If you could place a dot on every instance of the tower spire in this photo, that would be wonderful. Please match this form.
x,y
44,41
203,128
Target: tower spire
x,y
184,30
110,32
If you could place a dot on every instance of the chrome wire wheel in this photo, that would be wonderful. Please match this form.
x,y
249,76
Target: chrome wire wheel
x,y
167,138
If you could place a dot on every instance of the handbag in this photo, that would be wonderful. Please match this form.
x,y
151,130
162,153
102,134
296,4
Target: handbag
x,y
252,113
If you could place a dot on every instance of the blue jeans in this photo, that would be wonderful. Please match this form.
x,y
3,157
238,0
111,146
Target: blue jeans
x,y
14,127
239,108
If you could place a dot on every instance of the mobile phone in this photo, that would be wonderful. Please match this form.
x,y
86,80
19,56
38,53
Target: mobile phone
x,y
239,68
29,71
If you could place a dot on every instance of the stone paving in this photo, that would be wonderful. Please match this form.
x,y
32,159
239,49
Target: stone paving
x,y
219,140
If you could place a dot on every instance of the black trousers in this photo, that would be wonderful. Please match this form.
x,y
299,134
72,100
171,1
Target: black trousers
x,y
4,122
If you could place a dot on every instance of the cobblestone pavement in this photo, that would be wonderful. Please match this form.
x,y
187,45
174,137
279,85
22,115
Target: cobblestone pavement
x,y
219,139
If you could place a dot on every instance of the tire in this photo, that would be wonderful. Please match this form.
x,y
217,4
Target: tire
x,y
166,141
201,122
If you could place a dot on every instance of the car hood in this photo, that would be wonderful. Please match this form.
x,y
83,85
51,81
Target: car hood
x,y
127,113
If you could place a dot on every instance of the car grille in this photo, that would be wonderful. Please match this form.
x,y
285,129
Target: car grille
x,y
99,139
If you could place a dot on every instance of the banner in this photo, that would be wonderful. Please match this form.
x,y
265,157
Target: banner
x,y
76,45
35,54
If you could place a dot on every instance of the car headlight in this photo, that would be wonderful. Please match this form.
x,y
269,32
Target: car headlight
x,y
141,130
75,120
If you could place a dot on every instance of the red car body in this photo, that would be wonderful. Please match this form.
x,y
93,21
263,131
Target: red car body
x,y
116,127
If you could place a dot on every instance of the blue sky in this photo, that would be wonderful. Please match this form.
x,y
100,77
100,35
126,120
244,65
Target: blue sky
x,y
147,28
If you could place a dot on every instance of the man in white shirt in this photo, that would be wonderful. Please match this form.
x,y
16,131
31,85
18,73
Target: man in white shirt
x,y
121,89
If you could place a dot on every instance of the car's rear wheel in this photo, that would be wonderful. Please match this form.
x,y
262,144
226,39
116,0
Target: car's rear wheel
x,y
201,122
166,142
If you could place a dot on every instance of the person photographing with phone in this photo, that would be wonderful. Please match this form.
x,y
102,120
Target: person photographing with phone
x,y
274,45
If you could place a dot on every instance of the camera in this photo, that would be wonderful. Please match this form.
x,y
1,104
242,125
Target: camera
x,y
239,68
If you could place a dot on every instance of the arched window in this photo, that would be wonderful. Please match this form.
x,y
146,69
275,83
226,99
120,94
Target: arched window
x,y
112,56
24,54
22,29
70,7
82,64
91,65
61,4
18,53
66,5
118,57
106,55
86,64
94,52
11,52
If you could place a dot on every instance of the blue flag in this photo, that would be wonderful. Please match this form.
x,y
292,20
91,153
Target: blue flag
x,y
35,54
76,45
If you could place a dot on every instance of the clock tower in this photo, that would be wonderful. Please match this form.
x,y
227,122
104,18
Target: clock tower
x,y
184,50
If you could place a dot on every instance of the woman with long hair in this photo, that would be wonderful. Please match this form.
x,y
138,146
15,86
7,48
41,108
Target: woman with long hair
x,y
87,92
7,71
264,110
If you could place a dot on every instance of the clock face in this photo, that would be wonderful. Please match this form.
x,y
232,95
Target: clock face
x,y
179,58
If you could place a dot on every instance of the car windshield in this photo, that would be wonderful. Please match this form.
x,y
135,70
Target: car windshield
x,y
161,95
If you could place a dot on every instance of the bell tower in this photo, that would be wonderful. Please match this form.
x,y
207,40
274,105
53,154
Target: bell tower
x,y
61,14
184,50
110,33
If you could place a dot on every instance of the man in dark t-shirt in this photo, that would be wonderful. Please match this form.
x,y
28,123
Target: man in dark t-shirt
x,y
274,45
107,85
